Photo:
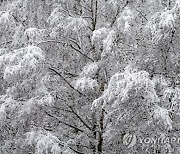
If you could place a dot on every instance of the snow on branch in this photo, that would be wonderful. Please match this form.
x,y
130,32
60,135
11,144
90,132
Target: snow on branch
x,y
162,114
4,17
109,40
45,142
162,24
24,62
86,84
56,17
167,20
100,34
23,69
3,114
76,24
126,86
125,20
87,81
104,36
114,3
90,69
35,35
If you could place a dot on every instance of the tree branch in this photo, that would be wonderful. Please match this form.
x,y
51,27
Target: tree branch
x,y
140,12
86,17
88,9
96,14
74,41
115,18
57,41
66,81
60,121
81,52
78,117
70,74
75,150
5,42
117,13
18,21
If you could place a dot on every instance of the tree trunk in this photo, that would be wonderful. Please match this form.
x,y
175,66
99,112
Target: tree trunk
x,y
100,137
94,126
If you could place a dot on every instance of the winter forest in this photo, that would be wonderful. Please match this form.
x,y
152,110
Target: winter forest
x,y
89,76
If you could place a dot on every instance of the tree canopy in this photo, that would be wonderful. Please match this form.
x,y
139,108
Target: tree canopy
x,y
78,76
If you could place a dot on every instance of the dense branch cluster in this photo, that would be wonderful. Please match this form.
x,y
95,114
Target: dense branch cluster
x,y
78,75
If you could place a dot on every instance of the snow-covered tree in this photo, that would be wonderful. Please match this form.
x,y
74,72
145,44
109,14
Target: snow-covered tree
x,y
77,75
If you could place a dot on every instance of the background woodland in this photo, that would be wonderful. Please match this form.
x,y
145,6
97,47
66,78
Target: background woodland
x,y
77,75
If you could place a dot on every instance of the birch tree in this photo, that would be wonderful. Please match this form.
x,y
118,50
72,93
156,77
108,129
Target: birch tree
x,y
77,75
